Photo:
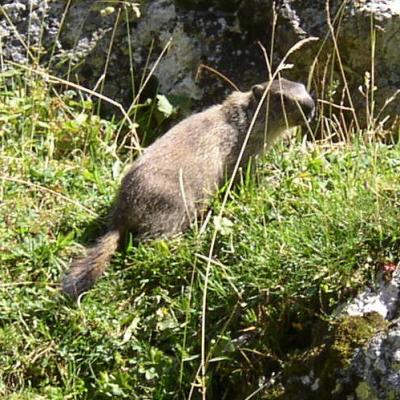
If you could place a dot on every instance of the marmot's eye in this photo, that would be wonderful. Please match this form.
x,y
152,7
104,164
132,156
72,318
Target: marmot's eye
x,y
258,91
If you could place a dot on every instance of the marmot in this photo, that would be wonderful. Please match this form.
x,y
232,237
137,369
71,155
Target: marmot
x,y
175,177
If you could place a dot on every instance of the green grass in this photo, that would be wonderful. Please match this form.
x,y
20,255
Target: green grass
x,y
311,228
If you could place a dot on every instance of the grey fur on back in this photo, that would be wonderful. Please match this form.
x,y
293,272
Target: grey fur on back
x,y
175,177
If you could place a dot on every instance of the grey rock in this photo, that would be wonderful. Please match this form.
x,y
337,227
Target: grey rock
x,y
223,36
377,367
384,300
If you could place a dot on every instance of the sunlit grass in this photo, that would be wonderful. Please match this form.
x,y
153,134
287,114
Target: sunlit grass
x,y
305,233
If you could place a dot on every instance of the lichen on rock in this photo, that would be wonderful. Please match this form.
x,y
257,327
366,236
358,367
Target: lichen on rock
x,y
176,70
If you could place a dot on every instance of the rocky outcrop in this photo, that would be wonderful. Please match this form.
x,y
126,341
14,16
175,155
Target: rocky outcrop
x,y
111,47
356,356
375,367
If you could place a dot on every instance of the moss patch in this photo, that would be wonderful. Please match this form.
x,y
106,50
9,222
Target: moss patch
x,y
315,372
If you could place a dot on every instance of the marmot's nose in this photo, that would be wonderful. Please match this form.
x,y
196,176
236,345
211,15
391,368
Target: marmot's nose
x,y
306,103
303,99
308,106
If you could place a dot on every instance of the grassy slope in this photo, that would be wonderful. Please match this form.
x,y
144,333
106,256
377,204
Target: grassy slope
x,y
314,227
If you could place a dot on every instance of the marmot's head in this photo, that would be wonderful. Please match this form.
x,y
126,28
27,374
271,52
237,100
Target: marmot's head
x,y
287,104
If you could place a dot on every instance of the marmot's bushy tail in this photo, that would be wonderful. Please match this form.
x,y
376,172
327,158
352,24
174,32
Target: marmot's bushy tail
x,y
84,271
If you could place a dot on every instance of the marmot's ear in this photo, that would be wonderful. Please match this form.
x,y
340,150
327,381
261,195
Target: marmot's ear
x,y
258,91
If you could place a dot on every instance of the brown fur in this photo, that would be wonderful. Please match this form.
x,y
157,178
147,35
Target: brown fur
x,y
173,180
